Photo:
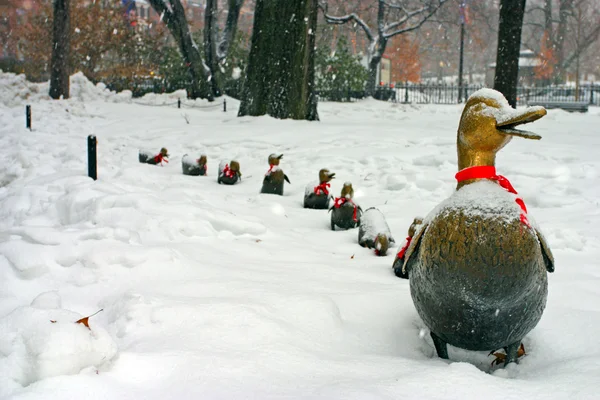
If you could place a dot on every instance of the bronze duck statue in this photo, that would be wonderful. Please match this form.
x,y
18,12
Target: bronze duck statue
x,y
374,232
147,157
274,178
194,167
399,260
229,173
478,266
345,213
316,195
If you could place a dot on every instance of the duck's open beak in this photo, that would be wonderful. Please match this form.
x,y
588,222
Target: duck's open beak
x,y
279,157
507,124
332,175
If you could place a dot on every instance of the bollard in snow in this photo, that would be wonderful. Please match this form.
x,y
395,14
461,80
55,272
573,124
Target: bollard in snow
x,y
28,117
224,105
178,103
92,166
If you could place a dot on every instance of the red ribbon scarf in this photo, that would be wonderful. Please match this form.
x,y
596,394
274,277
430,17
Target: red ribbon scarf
x,y
270,170
159,158
340,201
489,172
322,188
402,251
228,172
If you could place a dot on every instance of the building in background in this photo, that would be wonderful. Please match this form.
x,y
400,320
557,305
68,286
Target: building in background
x,y
528,61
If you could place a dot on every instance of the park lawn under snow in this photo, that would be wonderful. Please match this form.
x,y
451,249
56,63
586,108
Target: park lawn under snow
x,y
219,292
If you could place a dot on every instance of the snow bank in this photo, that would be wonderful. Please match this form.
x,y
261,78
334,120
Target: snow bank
x,y
42,340
216,291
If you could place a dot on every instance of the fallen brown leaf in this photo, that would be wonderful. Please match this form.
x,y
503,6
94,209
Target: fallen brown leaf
x,y
85,321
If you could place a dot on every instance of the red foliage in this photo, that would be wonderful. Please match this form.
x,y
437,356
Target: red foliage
x,y
404,55
548,60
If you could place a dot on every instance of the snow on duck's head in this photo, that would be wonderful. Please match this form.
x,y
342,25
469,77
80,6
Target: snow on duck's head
x,y
487,124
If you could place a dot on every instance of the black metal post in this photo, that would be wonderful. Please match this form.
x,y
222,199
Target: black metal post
x,y
406,92
592,94
178,103
92,165
224,104
460,64
28,117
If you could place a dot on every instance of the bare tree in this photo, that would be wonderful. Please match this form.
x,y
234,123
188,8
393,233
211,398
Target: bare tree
x,y
394,17
215,48
173,14
280,75
59,74
569,29
509,46
233,16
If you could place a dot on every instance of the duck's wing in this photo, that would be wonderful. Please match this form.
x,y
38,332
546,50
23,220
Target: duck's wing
x,y
414,246
546,253
286,178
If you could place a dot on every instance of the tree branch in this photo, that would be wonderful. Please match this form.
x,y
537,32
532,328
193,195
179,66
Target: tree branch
x,y
233,16
431,12
587,41
347,18
166,15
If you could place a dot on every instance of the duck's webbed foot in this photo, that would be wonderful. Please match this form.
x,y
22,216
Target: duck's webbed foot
x,y
513,352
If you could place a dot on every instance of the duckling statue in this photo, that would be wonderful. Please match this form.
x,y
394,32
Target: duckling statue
x,y
147,157
478,266
317,195
229,172
194,167
374,232
273,181
399,260
345,213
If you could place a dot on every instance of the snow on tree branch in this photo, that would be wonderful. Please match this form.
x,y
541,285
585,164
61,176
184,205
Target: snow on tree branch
x,y
428,11
346,18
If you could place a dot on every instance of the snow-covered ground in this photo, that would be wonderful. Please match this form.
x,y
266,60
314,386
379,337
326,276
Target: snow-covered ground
x,y
219,292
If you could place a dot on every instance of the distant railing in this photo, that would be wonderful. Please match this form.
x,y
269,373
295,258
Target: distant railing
x,y
407,93
141,86
411,93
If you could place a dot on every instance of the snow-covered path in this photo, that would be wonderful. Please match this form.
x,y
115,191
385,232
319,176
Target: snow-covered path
x,y
219,292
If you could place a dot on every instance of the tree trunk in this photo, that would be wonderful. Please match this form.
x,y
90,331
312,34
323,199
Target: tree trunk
x,y
564,8
509,46
372,80
280,75
59,73
233,15
174,18
210,44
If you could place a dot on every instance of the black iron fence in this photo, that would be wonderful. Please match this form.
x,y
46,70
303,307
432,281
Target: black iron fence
x,y
141,86
409,93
